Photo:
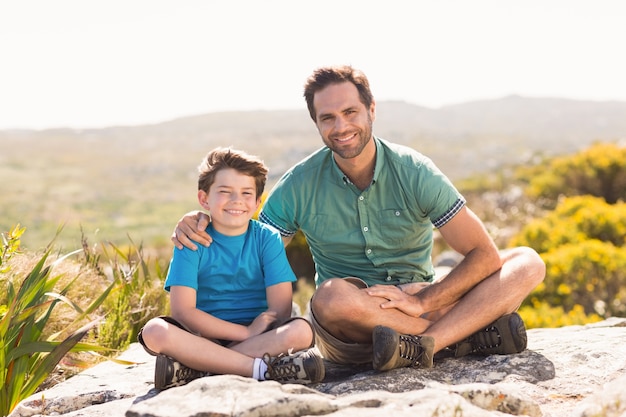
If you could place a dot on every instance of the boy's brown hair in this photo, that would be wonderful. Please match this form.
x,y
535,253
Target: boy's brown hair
x,y
222,158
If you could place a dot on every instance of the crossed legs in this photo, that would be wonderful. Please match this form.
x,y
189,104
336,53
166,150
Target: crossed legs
x,y
350,314
203,354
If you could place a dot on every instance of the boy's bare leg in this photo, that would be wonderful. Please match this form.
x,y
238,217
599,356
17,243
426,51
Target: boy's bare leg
x,y
295,335
205,355
194,351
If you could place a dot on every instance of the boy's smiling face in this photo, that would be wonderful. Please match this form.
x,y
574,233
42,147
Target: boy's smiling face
x,y
231,200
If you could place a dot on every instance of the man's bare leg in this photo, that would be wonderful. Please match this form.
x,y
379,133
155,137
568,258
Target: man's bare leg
x,y
350,314
497,295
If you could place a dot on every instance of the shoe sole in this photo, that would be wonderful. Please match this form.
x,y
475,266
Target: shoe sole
x,y
383,336
512,335
518,333
160,372
320,368
386,336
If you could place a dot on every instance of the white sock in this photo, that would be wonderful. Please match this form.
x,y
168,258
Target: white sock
x,y
258,369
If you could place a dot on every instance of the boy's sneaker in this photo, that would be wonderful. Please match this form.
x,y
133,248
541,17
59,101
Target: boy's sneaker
x,y
504,336
168,373
394,350
304,367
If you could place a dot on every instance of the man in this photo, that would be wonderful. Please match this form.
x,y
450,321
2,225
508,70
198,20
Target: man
x,y
367,208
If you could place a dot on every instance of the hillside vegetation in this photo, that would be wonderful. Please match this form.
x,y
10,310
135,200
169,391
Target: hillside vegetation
x,y
139,180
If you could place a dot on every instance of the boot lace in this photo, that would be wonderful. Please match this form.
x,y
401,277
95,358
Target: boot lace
x,y
280,368
410,348
184,373
487,339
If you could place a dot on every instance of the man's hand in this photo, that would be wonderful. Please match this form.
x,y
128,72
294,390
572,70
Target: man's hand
x,y
413,288
192,226
397,298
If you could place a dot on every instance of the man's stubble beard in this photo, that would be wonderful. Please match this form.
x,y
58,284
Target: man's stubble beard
x,y
364,138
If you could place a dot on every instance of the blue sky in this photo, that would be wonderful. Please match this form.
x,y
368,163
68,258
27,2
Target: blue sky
x,y
92,63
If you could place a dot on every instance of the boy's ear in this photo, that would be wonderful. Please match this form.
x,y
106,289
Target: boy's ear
x,y
203,199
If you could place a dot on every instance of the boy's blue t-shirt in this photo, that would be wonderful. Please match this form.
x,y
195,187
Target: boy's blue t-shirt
x,y
230,276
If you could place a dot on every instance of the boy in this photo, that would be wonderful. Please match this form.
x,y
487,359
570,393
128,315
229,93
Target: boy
x,y
228,301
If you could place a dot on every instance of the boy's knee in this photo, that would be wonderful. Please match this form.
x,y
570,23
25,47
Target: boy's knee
x,y
301,332
153,334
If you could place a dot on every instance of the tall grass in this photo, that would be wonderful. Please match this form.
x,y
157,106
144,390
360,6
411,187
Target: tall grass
x,y
138,297
41,318
27,354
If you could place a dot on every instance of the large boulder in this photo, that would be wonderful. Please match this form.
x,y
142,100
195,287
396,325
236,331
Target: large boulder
x,y
570,371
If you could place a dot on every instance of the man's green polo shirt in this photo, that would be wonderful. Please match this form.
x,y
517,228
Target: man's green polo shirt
x,y
382,235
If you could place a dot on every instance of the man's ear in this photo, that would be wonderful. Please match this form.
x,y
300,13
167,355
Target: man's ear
x,y
373,110
203,198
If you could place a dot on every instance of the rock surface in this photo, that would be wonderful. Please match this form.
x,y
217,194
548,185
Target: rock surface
x,y
575,371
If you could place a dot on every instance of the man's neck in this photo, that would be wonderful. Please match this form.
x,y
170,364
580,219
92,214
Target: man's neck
x,y
360,169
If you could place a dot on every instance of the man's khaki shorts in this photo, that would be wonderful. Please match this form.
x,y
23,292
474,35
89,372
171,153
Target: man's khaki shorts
x,y
336,350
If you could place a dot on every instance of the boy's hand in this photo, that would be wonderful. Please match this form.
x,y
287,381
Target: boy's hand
x,y
262,323
192,226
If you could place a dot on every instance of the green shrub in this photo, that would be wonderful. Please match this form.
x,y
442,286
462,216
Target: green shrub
x,y
542,314
27,354
138,297
575,220
597,171
591,274
582,243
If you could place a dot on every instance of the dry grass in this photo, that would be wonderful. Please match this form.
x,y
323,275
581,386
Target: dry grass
x,y
88,285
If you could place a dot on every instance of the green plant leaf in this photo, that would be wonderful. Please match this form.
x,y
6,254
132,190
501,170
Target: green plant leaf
x,y
47,365
48,346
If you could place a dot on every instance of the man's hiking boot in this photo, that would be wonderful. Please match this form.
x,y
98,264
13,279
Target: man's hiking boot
x,y
504,336
169,373
304,367
394,350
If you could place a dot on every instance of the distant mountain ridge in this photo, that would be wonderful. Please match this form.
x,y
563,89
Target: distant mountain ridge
x,y
499,132
488,134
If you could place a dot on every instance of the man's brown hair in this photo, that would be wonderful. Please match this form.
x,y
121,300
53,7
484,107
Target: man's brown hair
x,y
325,76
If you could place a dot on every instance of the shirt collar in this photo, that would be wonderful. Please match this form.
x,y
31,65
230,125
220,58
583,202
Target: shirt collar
x,y
377,166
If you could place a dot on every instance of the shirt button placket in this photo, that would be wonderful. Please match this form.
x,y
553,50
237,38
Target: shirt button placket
x,y
363,215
